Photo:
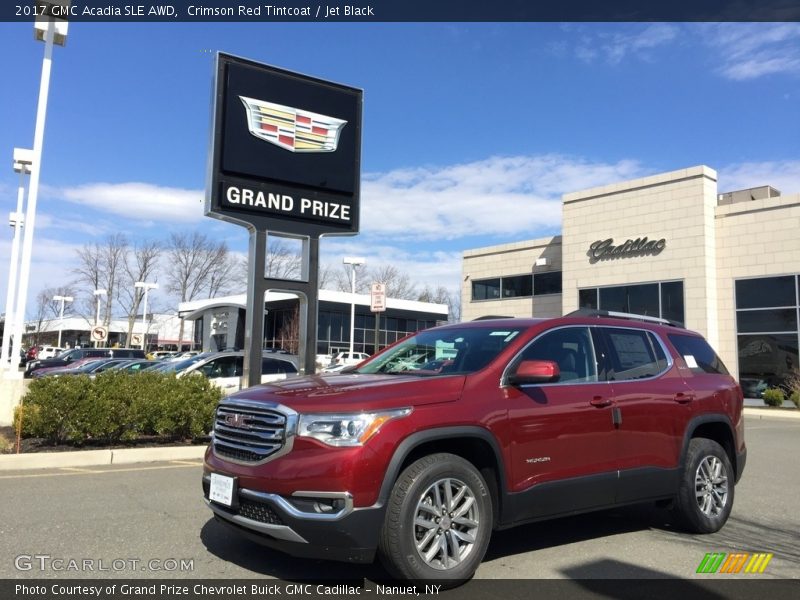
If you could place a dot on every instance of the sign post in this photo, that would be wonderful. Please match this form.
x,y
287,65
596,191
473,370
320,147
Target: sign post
x,y
377,304
285,158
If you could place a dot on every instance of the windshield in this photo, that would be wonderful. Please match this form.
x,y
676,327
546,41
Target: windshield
x,y
444,352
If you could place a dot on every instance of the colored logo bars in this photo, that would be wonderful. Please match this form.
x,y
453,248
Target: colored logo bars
x,y
719,562
291,128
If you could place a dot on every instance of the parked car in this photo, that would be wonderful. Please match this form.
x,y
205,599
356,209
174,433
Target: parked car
x,y
41,353
348,358
424,450
135,366
225,369
73,365
70,356
91,368
49,352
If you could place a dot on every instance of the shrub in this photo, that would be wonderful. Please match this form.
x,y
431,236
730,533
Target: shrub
x,y
774,397
795,398
118,406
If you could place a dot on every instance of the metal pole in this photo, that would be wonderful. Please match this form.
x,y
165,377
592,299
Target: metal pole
x,y
61,320
377,332
97,317
13,269
33,192
144,318
352,309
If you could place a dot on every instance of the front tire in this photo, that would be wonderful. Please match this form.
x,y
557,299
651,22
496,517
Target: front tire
x,y
438,521
705,496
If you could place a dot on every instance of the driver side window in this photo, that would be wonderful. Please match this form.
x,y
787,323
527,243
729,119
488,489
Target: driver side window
x,y
571,349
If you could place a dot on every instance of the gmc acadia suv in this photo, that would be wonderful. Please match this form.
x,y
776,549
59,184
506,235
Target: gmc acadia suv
x,y
425,449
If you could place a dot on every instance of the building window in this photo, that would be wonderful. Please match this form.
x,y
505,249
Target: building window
x,y
486,289
663,299
547,283
520,286
517,286
768,331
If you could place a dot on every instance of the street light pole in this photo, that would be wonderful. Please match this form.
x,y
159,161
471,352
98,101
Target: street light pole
x,y
354,262
22,165
97,294
147,287
51,31
63,299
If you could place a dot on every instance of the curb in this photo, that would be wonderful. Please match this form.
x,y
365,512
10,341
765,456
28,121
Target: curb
x,y
768,413
93,458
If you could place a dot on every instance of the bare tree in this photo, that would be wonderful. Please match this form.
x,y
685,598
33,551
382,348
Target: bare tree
x,y
289,333
47,308
196,265
342,279
441,295
398,283
282,261
140,266
100,266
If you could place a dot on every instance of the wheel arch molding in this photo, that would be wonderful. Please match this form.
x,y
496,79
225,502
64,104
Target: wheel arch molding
x,y
446,439
716,427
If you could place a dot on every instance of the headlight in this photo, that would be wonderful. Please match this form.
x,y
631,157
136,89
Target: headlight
x,y
345,429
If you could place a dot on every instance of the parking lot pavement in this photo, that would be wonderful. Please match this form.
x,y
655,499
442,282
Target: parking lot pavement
x,y
153,515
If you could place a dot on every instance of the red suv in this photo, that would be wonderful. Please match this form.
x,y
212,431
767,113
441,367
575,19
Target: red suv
x,y
425,449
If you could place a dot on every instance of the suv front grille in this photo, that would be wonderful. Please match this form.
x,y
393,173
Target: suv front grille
x,y
248,434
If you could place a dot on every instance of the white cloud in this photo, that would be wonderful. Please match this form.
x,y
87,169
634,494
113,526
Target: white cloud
x,y
506,196
752,50
140,202
783,175
631,41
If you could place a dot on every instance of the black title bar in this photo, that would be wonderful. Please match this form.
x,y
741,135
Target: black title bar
x,y
404,11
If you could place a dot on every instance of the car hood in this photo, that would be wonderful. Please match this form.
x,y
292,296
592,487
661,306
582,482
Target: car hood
x,y
353,391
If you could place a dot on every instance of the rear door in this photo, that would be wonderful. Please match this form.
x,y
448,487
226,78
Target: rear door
x,y
652,406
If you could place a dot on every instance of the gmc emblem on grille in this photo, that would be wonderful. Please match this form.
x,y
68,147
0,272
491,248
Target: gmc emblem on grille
x,y
236,420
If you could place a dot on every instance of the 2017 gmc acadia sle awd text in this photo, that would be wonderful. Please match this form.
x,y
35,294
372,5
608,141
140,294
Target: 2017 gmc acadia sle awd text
x,y
420,452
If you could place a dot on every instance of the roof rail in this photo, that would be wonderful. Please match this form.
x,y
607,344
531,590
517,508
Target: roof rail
x,y
612,314
488,317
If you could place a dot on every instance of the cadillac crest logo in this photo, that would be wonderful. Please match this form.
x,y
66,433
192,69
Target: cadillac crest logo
x,y
292,129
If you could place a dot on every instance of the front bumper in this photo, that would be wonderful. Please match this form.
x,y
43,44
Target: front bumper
x,y
349,535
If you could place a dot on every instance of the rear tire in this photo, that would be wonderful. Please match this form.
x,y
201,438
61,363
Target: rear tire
x,y
438,521
705,495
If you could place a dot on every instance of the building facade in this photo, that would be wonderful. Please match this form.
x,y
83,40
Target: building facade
x,y
669,245
219,322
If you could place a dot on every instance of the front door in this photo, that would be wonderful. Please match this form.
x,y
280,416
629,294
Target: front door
x,y
565,451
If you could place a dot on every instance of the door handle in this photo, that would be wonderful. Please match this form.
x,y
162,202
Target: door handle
x,y
682,398
600,401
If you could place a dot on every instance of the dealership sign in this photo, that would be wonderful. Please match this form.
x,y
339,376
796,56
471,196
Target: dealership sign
x,y
285,151
605,249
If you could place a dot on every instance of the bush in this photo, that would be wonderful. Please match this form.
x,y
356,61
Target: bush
x,y
774,397
118,407
795,398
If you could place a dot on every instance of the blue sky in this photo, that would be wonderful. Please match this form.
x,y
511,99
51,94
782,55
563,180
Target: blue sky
x,y
471,131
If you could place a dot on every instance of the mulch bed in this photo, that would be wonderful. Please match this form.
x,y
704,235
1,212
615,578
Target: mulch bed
x,y
29,445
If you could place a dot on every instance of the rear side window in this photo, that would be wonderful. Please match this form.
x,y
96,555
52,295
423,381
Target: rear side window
x,y
699,356
634,354
270,366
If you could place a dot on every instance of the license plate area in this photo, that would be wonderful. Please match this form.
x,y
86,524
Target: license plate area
x,y
223,490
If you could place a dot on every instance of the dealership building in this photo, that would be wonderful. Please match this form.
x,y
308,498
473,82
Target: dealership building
x,y
672,246
218,323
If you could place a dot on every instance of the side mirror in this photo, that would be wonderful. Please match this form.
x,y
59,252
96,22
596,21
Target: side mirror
x,y
535,371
